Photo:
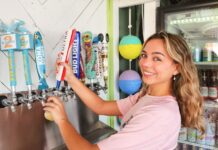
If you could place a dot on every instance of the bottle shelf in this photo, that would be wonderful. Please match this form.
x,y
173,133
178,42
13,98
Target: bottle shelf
x,y
206,63
198,145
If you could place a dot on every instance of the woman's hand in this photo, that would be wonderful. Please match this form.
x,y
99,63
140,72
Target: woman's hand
x,y
69,72
56,108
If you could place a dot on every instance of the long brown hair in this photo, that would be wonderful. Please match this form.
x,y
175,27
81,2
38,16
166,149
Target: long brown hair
x,y
186,87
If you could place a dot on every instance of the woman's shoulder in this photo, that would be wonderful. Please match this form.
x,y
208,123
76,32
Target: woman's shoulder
x,y
132,98
160,105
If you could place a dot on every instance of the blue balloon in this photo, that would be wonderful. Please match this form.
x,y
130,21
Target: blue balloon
x,y
129,82
129,86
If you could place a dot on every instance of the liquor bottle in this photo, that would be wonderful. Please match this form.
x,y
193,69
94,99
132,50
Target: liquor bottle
x,y
212,88
204,87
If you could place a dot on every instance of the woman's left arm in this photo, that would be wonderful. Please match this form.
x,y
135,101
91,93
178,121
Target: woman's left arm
x,y
72,139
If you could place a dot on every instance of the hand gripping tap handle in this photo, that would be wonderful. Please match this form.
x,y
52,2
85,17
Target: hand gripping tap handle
x,y
68,44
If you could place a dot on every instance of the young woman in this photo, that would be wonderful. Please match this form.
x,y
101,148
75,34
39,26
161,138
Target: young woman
x,y
152,118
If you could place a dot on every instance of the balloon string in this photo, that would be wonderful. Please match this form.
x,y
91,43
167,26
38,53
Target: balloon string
x,y
130,25
130,64
143,33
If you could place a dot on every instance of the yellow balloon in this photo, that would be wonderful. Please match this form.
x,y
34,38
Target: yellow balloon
x,y
48,116
130,51
130,47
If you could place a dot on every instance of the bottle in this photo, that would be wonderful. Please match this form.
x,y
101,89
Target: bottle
x,y
204,87
192,135
196,54
214,52
197,51
216,72
216,137
210,129
207,52
194,148
183,134
212,88
200,139
184,147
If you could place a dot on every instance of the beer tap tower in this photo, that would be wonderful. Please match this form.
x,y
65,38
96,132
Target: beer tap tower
x,y
26,44
10,42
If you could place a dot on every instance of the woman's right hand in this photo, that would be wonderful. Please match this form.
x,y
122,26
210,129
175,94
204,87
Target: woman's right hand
x,y
69,72
55,107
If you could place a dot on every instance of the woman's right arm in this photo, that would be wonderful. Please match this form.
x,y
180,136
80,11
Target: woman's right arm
x,y
90,99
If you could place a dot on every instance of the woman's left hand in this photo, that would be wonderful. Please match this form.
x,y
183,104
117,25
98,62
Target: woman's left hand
x,y
56,107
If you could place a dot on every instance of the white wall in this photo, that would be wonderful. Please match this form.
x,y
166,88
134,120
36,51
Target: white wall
x,y
52,18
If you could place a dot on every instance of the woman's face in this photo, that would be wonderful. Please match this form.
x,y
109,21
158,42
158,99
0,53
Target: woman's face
x,y
156,65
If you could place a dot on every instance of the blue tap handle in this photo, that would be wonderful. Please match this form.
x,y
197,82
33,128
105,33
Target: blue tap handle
x,y
26,43
40,60
76,55
10,42
11,63
26,63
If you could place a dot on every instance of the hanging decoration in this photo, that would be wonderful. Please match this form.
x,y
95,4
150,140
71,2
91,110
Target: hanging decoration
x,y
130,48
129,82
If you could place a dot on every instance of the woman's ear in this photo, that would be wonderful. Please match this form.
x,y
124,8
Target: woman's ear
x,y
176,71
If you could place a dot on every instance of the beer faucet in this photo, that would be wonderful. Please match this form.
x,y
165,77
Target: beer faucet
x,y
29,98
66,92
42,96
26,98
12,101
98,88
